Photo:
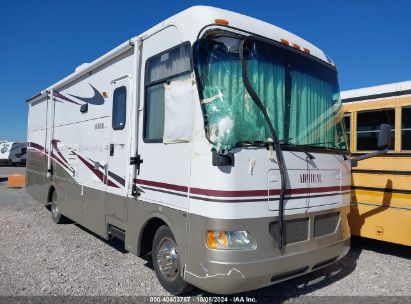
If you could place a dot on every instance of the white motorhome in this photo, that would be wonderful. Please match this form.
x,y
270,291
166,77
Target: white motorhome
x,y
213,140
13,153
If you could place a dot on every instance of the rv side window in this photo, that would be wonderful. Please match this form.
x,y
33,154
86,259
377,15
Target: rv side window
x,y
162,68
368,126
119,108
406,129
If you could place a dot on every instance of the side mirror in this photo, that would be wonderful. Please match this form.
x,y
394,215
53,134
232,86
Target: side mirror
x,y
222,160
384,141
384,137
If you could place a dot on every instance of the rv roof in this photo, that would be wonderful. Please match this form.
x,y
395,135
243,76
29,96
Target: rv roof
x,y
377,92
191,22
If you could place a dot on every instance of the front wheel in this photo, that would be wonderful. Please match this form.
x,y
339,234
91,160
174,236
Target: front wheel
x,y
57,217
166,262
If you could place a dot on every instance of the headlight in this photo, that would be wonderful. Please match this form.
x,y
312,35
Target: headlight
x,y
230,240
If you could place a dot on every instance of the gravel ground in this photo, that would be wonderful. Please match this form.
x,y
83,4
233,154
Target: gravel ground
x,y
39,258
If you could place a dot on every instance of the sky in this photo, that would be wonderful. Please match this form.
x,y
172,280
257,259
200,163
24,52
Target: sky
x,y
41,42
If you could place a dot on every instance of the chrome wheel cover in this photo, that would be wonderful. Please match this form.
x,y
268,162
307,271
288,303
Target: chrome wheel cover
x,y
167,259
54,208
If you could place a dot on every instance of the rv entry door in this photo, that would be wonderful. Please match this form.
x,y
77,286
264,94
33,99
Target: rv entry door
x,y
117,164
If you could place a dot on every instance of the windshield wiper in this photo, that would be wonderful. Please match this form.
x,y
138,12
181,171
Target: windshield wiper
x,y
252,144
300,148
315,145
318,143
259,143
285,142
276,144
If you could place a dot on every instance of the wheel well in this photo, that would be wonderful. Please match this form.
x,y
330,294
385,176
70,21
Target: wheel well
x,y
147,235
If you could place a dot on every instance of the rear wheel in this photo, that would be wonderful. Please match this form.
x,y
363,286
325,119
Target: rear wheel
x,y
166,262
57,217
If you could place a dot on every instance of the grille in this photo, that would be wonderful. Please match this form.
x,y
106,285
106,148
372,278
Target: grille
x,y
295,230
326,224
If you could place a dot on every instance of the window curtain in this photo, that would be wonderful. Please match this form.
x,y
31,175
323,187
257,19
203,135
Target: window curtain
x,y
232,116
155,112
231,113
165,66
267,77
311,110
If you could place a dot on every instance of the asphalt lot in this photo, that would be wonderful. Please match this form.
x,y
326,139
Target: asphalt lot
x,y
40,258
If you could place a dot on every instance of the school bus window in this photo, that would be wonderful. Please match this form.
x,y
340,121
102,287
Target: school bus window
x,y
406,129
347,122
368,125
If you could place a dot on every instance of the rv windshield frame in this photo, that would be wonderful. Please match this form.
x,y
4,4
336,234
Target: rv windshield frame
x,y
199,73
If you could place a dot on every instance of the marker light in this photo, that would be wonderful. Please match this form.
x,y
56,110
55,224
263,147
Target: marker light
x,y
296,46
307,51
221,21
230,240
284,41
104,93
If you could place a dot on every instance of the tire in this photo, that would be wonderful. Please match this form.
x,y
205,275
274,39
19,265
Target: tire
x,y
57,217
165,250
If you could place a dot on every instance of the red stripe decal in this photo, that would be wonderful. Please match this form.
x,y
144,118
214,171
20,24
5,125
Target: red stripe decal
x,y
54,143
97,173
239,193
162,185
230,193
53,156
59,95
325,189
36,146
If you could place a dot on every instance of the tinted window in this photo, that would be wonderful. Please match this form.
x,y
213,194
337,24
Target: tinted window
x,y
368,126
160,69
119,108
168,64
406,129
347,123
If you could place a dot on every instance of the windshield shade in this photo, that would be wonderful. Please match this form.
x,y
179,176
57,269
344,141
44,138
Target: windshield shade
x,y
300,95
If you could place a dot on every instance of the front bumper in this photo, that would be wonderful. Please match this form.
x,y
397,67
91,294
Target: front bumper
x,y
227,272
224,278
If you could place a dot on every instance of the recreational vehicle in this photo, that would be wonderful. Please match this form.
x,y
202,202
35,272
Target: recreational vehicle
x,y
13,153
213,140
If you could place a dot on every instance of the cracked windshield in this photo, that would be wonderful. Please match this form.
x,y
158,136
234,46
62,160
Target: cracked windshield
x,y
300,95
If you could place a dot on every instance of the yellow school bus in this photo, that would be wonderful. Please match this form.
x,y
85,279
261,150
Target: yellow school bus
x,y
381,186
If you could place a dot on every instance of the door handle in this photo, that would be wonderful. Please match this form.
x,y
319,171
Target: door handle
x,y
111,149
